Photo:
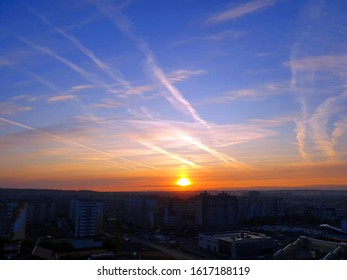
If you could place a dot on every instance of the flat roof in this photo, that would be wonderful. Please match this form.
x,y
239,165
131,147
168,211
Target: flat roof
x,y
237,235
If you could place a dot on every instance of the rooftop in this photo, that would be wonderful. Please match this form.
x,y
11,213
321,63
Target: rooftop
x,y
237,235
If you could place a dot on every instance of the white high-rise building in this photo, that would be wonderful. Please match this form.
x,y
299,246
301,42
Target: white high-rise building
x,y
86,217
13,219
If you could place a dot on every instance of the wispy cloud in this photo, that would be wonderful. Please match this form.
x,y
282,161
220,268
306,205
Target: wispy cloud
x,y
322,63
340,128
201,146
319,124
7,108
80,23
141,89
52,54
84,74
157,149
272,122
302,122
175,97
183,74
106,104
240,11
259,92
143,113
86,147
174,77
61,98
301,130
209,150
82,87
114,73
232,96
26,97
213,38
38,78
14,58
320,105
234,34
315,126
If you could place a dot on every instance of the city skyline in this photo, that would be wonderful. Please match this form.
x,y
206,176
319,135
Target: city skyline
x,y
136,95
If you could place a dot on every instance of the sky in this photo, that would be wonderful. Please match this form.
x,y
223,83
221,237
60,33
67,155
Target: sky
x,y
125,95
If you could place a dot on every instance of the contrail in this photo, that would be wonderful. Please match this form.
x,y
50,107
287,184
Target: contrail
x,y
209,150
127,28
163,79
240,11
74,143
300,130
39,78
117,77
301,125
162,151
84,74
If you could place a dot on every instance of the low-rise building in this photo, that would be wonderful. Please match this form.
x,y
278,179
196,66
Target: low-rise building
x,y
321,213
238,244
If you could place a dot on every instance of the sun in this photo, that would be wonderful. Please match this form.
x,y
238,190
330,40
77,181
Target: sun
x,y
183,182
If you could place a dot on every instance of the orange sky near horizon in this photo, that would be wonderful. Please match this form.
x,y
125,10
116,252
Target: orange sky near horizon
x,y
100,178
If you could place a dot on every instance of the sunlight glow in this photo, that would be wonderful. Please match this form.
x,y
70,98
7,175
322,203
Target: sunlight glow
x,y
183,182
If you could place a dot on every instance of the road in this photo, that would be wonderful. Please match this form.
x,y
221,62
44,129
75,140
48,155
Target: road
x,y
175,253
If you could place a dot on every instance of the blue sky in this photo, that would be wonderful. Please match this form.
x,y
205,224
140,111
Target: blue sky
x,y
141,92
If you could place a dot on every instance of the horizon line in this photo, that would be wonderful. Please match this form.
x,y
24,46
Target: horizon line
x,y
252,188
